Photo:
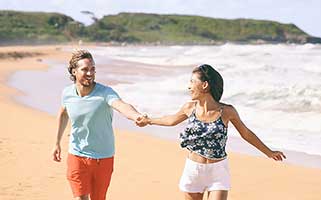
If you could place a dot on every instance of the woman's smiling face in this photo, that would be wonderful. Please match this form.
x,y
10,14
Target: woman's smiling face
x,y
196,87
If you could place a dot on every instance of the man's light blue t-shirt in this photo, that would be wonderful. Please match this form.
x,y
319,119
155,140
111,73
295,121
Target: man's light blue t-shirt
x,y
91,121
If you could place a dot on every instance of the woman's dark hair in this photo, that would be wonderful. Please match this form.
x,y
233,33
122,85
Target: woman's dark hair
x,y
214,79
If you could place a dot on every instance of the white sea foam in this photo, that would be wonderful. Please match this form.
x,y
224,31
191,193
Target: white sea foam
x,y
274,87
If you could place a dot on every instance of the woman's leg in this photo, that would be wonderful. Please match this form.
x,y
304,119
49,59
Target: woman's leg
x,y
193,196
218,195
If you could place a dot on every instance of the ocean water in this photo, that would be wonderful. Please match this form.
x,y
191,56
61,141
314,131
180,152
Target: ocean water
x,y
275,88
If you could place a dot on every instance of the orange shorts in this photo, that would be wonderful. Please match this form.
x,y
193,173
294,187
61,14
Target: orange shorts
x,y
88,176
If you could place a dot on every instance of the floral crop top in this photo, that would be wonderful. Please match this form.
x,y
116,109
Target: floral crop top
x,y
206,139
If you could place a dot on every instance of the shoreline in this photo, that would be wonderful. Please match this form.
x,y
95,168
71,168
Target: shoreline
x,y
235,144
26,147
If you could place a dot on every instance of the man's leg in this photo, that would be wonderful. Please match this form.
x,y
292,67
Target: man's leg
x,y
78,175
84,197
101,178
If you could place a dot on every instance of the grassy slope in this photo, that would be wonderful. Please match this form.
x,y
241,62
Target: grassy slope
x,y
40,27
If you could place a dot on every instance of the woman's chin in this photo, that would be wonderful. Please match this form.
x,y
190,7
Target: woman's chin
x,y
194,98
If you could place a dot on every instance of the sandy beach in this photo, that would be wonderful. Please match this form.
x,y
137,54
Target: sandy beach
x,y
146,167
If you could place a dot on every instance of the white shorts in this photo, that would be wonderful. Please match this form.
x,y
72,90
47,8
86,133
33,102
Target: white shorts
x,y
199,177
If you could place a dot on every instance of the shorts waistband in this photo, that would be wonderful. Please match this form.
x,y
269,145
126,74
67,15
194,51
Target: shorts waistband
x,y
207,164
89,158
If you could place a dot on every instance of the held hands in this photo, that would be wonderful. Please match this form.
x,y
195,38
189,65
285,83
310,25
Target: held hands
x,y
276,155
142,120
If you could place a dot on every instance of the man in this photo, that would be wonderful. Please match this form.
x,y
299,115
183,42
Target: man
x,y
91,148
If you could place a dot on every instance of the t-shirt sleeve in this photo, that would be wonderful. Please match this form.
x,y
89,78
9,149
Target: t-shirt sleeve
x,y
111,96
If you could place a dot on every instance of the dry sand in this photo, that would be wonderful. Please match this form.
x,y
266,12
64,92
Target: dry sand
x,y
145,167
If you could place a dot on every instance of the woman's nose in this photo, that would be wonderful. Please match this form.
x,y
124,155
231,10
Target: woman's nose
x,y
189,86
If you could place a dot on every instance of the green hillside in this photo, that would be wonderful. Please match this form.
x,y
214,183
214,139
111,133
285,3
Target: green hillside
x,y
39,27
182,29
30,27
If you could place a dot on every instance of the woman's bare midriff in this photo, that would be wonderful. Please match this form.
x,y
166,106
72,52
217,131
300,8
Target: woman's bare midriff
x,y
199,159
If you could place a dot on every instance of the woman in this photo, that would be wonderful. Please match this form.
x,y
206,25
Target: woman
x,y
205,136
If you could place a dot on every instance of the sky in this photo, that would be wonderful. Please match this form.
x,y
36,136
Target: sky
x,y
306,14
